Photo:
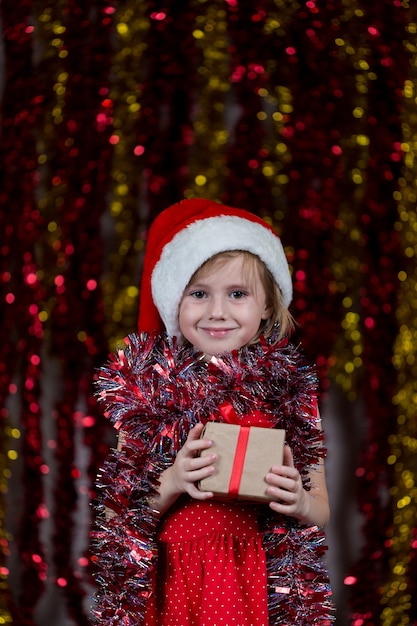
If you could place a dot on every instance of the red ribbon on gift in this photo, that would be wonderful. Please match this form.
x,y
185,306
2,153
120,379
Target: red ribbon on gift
x,y
230,417
239,461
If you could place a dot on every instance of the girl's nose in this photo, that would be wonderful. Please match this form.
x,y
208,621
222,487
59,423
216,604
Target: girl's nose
x,y
217,308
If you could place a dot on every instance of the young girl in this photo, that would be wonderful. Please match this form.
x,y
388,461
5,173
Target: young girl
x,y
213,325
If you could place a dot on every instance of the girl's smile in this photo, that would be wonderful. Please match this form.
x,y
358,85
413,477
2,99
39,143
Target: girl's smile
x,y
221,309
218,332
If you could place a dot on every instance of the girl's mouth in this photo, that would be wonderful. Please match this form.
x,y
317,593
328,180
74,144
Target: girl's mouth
x,y
217,333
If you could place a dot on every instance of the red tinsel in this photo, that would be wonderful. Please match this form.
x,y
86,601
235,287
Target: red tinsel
x,y
61,309
20,227
155,392
164,128
387,58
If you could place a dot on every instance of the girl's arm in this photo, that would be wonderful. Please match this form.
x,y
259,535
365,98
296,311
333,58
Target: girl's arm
x,y
290,497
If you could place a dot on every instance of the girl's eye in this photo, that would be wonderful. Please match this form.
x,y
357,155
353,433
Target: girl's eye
x,y
237,295
198,295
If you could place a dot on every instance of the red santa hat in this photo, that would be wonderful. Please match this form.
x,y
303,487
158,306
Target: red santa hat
x,y
185,236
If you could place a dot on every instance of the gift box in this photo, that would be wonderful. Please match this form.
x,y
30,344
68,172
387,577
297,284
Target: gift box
x,y
245,456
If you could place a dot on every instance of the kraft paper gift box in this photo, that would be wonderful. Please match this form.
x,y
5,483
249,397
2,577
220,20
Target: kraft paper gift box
x,y
245,456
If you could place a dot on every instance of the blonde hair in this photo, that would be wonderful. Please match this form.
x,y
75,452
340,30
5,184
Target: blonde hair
x,y
280,323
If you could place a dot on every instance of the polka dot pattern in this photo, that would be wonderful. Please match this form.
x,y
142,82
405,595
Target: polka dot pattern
x,y
212,566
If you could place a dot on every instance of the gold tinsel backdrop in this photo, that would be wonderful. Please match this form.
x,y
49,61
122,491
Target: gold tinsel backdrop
x,y
303,112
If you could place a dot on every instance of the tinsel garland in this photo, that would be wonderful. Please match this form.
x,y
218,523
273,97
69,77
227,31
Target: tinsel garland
x,y
245,185
207,163
155,391
75,161
122,117
377,263
165,126
22,291
398,595
308,45
51,169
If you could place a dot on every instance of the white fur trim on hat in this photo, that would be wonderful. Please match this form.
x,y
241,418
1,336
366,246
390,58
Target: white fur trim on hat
x,y
198,242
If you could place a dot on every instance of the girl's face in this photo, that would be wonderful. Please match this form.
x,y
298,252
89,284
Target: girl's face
x,y
222,308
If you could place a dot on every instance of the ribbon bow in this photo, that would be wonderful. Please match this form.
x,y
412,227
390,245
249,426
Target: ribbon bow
x,y
256,418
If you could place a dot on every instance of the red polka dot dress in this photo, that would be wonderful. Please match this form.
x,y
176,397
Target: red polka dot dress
x,y
211,566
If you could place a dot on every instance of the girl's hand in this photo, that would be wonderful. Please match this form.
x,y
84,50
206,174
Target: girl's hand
x,y
286,488
290,497
187,469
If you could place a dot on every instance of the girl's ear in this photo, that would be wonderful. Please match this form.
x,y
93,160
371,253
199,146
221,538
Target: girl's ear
x,y
266,314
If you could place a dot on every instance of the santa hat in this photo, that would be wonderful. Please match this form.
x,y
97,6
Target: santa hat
x,y
182,238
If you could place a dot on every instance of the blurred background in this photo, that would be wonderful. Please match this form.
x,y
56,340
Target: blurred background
x,y
304,113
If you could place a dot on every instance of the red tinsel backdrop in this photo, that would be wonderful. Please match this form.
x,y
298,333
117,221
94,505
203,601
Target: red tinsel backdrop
x,y
303,112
